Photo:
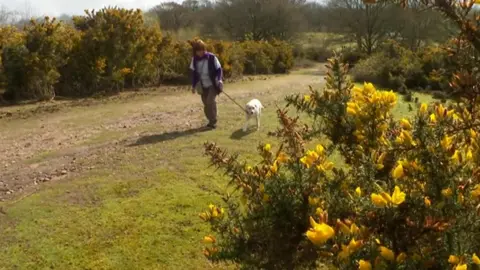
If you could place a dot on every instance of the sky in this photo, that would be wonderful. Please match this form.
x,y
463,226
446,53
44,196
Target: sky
x,y
71,7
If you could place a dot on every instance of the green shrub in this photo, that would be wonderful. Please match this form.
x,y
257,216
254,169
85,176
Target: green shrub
x,y
32,67
112,49
318,54
407,199
351,56
9,37
392,67
116,50
230,55
258,57
174,60
284,59
372,69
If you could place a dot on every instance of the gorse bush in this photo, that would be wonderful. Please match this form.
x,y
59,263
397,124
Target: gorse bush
x,y
231,55
9,37
400,195
32,67
267,57
112,49
174,60
116,50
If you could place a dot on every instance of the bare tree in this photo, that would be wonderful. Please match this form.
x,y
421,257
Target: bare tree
x,y
417,26
367,23
173,16
261,19
7,16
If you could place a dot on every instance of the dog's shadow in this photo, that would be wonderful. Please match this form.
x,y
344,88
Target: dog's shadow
x,y
239,133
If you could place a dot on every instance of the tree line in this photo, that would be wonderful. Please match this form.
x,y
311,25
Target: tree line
x,y
238,20
366,25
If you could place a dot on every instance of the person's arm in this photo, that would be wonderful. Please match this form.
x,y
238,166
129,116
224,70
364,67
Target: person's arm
x,y
194,76
218,69
219,73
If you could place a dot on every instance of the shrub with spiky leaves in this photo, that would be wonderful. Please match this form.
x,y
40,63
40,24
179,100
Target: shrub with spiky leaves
x,y
116,50
32,66
9,36
407,198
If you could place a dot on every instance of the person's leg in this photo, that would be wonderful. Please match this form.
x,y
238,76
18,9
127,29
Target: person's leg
x,y
211,106
205,103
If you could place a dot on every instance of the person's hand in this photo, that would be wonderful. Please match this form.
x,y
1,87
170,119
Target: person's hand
x,y
220,86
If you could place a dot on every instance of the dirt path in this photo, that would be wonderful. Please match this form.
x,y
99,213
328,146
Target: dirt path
x,y
48,142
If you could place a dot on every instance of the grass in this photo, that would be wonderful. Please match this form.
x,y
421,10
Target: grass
x,y
316,39
138,208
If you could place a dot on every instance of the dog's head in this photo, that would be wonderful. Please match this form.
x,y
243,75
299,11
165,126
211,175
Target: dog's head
x,y
250,109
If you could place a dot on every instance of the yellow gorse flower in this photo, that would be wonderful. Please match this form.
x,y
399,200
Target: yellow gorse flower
x,y
401,257
446,142
379,159
353,229
307,98
320,232
461,267
476,191
317,158
313,201
427,201
475,259
320,149
453,259
405,138
383,199
473,134
447,192
387,253
456,157
209,239
378,200
398,197
309,159
405,124
469,155
358,191
282,157
274,167
398,172
349,249
366,103
364,265
125,71
423,108
267,147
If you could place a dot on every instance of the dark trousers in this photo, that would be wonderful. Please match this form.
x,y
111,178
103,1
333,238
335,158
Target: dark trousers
x,y
209,96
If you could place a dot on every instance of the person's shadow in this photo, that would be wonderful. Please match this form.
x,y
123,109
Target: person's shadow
x,y
157,138
239,134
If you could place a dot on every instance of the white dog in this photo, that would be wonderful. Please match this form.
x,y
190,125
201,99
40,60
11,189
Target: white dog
x,y
253,108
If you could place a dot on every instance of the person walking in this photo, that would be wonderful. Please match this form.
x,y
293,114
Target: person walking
x,y
206,70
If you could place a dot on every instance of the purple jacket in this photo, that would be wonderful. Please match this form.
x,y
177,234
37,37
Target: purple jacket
x,y
215,71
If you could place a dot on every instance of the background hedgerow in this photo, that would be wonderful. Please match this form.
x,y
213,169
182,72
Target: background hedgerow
x,y
113,49
32,67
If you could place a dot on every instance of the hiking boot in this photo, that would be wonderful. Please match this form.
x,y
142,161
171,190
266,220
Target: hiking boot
x,y
211,126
